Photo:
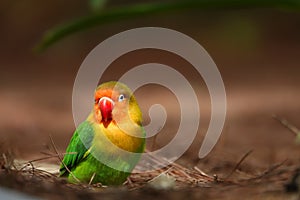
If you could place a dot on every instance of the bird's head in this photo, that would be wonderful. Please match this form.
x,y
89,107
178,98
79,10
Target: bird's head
x,y
115,103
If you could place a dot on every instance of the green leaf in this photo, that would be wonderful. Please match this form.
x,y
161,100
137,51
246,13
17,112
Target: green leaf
x,y
147,9
97,5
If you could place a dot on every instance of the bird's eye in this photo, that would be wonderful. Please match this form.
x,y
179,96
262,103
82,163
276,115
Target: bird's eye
x,y
121,97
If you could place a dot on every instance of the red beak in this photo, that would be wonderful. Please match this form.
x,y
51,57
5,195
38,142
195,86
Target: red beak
x,y
106,106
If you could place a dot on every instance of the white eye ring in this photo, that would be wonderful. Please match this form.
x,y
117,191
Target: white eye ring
x,y
121,97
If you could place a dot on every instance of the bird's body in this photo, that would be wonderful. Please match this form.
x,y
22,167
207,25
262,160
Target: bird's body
x,y
96,150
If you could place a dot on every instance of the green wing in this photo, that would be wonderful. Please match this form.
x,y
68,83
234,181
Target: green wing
x,y
76,149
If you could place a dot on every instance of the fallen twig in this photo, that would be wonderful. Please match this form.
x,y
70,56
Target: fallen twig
x,y
60,159
239,163
288,125
51,156
203,173
268,171
92,178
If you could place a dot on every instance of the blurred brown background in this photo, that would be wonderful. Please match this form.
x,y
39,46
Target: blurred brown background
x,y
257,52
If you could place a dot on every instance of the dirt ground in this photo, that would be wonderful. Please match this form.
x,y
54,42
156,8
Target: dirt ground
x,y
260,81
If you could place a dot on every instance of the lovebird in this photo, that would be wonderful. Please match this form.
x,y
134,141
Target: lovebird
x,y
108,144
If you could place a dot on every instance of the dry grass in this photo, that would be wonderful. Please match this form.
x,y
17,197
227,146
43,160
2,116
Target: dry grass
x,y
176,178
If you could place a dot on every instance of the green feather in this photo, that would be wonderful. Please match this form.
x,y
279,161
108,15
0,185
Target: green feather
x,y
77,151
86,168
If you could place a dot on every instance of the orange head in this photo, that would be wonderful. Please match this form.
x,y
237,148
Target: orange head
x,y
114,102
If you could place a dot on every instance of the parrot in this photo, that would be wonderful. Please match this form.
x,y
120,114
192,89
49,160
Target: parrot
x,y
95,153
